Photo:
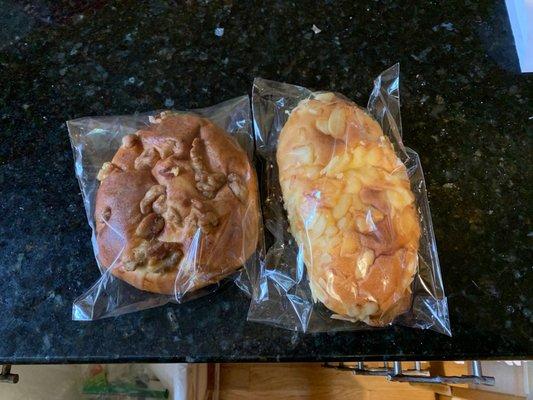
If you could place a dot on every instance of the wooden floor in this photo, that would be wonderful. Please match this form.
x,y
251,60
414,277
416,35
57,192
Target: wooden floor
x,y
309,381
313,382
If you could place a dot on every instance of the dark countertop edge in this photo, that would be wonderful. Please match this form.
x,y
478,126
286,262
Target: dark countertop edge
x,y
171,360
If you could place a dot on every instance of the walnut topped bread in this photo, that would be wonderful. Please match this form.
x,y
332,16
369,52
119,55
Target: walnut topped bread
x,y
177,206
350,209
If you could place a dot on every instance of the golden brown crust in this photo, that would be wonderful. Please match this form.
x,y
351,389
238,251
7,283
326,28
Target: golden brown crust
x,y
177,207
350,208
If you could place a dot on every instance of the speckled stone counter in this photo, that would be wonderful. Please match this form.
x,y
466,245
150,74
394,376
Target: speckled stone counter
x,y
466,109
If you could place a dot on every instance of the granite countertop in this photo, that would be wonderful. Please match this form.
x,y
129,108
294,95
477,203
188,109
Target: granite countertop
x,y
466,110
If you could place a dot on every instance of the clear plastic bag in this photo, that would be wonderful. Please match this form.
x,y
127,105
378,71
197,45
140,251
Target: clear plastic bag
x,y
176,212
364,242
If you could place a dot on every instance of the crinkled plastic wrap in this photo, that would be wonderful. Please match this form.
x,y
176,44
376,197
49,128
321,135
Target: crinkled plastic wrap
x,y
352,244
172,201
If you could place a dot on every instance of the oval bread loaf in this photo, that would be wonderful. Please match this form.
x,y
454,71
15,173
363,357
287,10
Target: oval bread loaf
x,y
350,209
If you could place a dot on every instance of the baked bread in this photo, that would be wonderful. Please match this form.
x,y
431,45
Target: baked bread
x,y
350,209
177,206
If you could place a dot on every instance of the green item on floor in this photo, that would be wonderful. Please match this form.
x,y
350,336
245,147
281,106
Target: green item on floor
x,y
98,385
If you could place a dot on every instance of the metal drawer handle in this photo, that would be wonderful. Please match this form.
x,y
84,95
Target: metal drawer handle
x,y
417,375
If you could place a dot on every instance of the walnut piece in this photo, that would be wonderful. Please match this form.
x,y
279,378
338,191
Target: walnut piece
x,y
157,250
150,197
168,167
105,171
160,205
166,148
150,226
206,219
163,265
133,257
197,205
155,255
172,261
175,171
173,216
156,119
207,183
129,141
159,256
197,160
130,265
146,159
180,148
237,186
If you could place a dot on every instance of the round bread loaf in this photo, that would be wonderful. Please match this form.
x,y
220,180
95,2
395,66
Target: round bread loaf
x,y
350,209
177,206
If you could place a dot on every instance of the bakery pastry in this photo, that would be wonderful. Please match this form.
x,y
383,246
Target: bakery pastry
x,y
350,208
177,206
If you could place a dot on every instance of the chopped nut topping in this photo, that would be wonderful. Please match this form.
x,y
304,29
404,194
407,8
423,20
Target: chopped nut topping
x,y
175,171
160,205
158,250
156,119
207,183
105,171
157,256
167,263
146,159
169,168
166,150
237,187
172,261
150,197
324,96
206,219
337,123
180,148
134,257
130,265
173,216
197,160
150,226
129,141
